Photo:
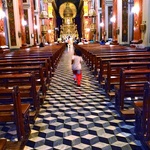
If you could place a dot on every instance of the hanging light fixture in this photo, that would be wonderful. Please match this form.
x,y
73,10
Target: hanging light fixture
x,y
44,14
92,12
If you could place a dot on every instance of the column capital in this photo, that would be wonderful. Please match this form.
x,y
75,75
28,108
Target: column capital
x,y
48,1
26,5
108,2
86,0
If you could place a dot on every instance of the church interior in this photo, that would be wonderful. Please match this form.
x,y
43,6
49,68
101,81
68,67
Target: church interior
x,y
42,107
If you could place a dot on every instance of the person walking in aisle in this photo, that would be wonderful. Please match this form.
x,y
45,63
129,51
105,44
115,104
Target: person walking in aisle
x,y
77,67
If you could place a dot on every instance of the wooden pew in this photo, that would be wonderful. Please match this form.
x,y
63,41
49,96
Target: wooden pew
x,y
53,52
25,59
123,56
12,110
29,91
38,71
93,52
10,145
131,85
3,144
113,73
142,117
104,62
38,65
26,63
20,59
113,53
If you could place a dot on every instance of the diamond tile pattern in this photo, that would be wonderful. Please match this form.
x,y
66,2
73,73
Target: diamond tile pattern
x,y
77,118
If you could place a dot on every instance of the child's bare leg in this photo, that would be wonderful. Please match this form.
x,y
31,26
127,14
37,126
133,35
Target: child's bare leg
x,y
74,75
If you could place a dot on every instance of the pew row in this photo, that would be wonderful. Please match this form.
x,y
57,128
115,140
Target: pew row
x,y
112,73
38,70
94,52
25,62
104,62
53,53
29,91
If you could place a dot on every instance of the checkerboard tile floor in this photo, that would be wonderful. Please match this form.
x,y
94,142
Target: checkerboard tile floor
x,y
77,118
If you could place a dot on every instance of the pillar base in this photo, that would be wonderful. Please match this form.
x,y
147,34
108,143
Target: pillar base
x,y
41,44
25,45
114,42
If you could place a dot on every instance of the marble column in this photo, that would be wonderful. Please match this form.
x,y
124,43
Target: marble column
x,y
13,24
123,13
115,30
28,9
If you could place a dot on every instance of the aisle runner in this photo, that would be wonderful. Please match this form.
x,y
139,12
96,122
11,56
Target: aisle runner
x,y
80,118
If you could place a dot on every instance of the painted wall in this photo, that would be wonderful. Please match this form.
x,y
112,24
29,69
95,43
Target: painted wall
x,y
137,18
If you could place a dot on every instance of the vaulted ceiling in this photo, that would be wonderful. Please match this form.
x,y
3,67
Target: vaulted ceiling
x,y
77,3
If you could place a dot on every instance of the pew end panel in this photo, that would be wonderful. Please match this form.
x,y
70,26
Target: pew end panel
x,y
142,117
12,110
130,89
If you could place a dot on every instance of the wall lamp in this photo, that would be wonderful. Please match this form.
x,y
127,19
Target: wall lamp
x,y
101,24
135,9
24,22
2,14
117,31
19,34
113,19
87,29
143,27
35,27
105,33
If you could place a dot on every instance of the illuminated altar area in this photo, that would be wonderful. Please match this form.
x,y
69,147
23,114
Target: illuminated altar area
x,y
68,28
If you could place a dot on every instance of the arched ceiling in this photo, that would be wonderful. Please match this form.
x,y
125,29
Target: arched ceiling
x,y
77,3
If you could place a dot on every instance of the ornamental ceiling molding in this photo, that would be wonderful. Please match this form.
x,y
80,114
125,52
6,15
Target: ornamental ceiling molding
x,y
26,5
108,2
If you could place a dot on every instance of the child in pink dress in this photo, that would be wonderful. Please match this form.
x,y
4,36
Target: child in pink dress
x,y
76,66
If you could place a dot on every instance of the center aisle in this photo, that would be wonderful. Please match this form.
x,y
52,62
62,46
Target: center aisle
x,y
79,118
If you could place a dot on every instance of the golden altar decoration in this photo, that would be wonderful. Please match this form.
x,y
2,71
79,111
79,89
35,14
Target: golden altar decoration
x,y
68,28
